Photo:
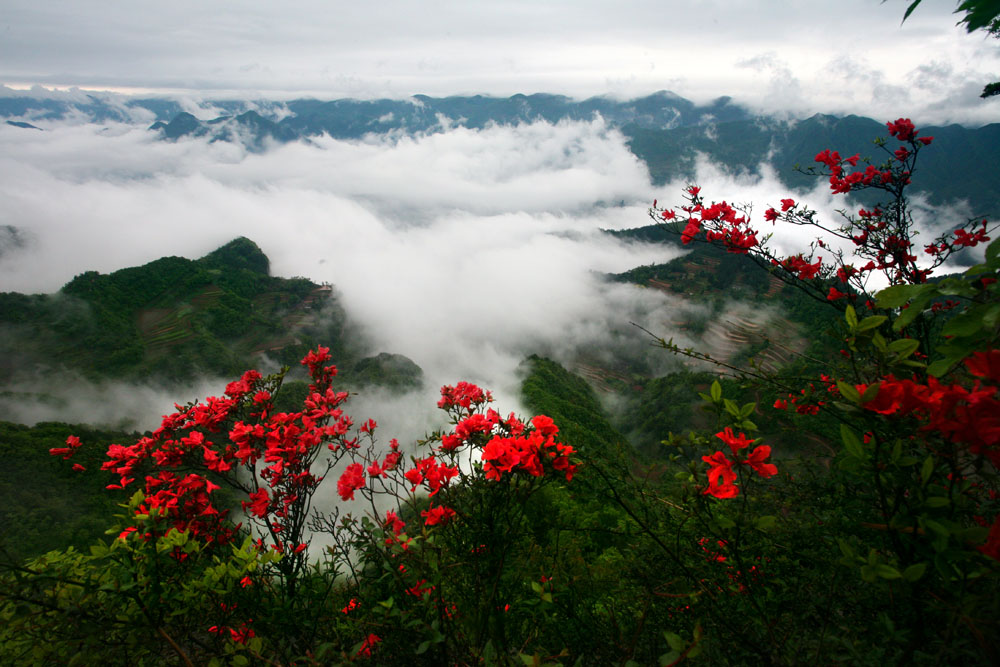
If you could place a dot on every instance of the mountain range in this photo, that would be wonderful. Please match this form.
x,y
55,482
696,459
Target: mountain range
x,y
665,131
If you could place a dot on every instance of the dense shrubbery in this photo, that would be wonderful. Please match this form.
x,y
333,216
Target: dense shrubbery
x,y
869,535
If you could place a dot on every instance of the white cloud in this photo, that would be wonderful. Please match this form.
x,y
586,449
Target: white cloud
x,y
464,250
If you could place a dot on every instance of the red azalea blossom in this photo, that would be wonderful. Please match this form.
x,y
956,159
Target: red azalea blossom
x,y
464,394
368,645
992,545
352,479
736,443
720,476
437,515
756,461
72,444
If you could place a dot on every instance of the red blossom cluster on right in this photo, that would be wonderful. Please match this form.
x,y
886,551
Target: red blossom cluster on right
x,y
969,416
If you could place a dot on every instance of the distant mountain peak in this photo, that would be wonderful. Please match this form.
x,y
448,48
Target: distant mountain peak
x,y
240,253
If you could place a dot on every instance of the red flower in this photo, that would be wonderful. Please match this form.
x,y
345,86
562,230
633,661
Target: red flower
x,y
439,515
902,129
736,443
770,215
352,479
756,461
787,204
393,521
720,476
985,364
463,394
835,294
259,505
992,546
72,444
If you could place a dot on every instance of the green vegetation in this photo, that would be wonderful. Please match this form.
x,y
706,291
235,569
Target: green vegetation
x,y
175,319
46,504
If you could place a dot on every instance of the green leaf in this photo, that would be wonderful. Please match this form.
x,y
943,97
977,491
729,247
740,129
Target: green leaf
x,y
535,586
669,658
993,250
851,442
896,296
965,324
851,316
991,315
887,571
871,322
941,366
422,648
938,528
878,340
849,392
904,347
747,410
766,523
675,641
927,469
915,571
937,501
913,312
716,391
731,407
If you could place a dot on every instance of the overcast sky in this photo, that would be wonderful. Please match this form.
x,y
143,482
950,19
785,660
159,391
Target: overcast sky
x,y
848,56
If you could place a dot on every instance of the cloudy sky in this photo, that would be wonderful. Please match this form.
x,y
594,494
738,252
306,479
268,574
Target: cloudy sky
x,y
802,57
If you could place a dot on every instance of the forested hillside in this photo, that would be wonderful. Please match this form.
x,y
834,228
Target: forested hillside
x,y
176,319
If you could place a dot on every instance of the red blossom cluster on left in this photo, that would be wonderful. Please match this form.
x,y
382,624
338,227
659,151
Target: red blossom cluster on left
x,y
231,436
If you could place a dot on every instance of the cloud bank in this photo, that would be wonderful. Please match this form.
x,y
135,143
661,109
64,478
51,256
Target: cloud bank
x,y
464,250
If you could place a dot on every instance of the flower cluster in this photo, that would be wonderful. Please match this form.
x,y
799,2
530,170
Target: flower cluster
x,y
229,436
506,445
722,223
961,415
527,452
722,477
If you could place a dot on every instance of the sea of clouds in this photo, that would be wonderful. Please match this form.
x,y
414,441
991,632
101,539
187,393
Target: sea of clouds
x,y
465,250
